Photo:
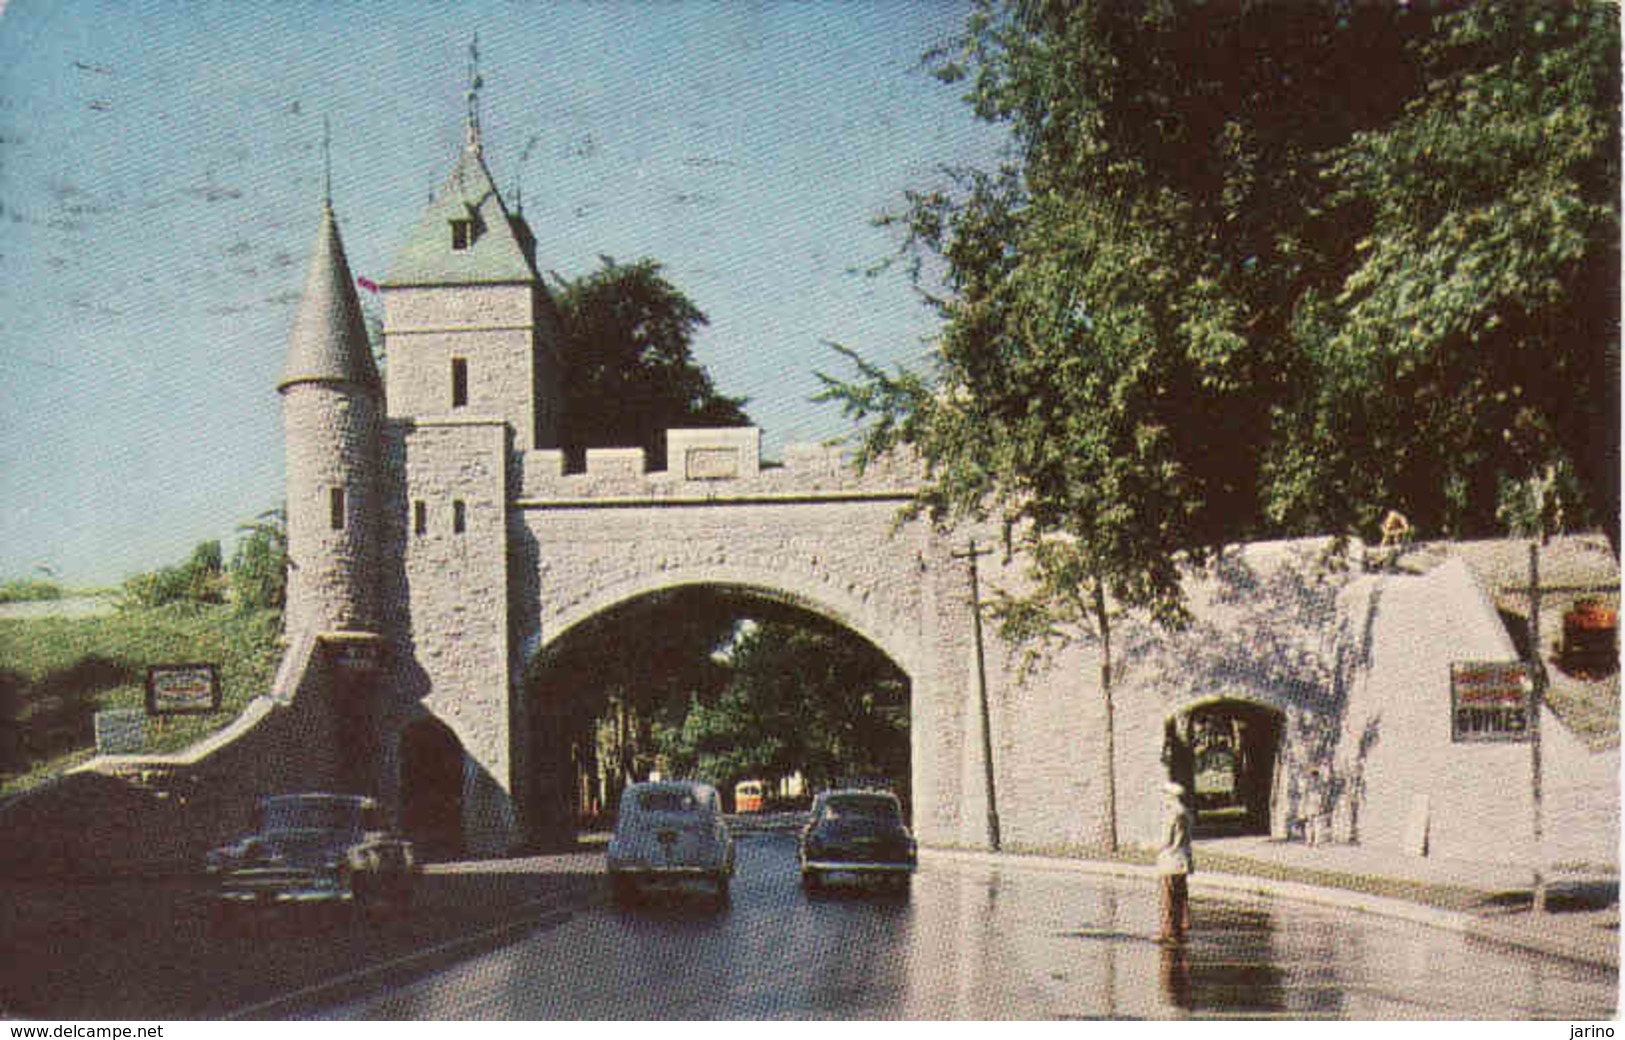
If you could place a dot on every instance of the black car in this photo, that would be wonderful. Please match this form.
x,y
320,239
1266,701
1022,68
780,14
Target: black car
x,y
314,849
858,833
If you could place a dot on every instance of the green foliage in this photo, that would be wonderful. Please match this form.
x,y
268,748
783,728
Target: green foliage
x,y
259,567
29,590
631,375
55,673
1473,340
1261,269
798,700
200,580
1257,270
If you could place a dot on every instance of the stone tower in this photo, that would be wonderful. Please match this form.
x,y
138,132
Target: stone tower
x,y
470,328
332,402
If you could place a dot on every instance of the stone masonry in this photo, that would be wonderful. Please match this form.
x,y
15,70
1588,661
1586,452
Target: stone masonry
x,y
439,548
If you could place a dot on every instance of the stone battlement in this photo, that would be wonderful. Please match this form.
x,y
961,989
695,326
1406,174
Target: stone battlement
x,y
709,463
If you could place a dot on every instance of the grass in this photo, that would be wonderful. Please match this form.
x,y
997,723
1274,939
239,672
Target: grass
x,y
1589,709
56,673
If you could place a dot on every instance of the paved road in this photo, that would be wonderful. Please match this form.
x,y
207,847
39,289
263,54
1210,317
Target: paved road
x,y
976,941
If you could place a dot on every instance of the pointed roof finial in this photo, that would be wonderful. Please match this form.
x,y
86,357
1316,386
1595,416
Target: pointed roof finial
x,y
327,163
474,85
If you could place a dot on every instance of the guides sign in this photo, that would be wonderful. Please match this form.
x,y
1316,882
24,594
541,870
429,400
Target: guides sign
x,y
182,689
1490,701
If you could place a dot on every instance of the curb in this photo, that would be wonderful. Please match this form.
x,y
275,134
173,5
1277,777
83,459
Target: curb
x,y
530,916
1243,884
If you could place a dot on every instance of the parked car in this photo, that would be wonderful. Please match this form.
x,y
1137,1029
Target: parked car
x,y
667,833
857,832
333,849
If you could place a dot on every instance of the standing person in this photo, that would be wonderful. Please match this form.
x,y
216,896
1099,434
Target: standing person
x,y
1174,865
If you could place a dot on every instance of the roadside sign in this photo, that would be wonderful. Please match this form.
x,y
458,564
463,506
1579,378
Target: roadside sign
x,y
182,689
1491,702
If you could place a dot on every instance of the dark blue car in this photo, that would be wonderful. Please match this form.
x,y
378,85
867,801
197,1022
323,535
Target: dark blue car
x,y
860,834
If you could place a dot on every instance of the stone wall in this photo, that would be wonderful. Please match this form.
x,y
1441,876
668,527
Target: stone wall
x,y
162,813
493,328
449,602
333,442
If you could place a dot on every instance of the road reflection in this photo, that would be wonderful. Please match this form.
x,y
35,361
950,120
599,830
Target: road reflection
x,y
974,942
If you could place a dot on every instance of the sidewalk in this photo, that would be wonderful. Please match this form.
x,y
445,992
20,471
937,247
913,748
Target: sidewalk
x,y
1488,901
1491,903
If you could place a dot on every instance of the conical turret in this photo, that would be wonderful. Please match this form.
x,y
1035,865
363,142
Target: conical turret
x,y
331,408
329,341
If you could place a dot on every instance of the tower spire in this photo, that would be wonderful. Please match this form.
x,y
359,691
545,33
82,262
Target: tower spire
x,y
327,163
474,85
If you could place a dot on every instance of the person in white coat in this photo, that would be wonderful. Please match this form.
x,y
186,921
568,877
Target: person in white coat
x,y
1174,865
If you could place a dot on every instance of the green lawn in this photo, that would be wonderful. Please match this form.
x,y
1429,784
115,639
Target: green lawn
x,y
56,673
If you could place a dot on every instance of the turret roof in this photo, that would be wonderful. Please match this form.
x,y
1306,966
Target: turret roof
x,y
492,253
329,341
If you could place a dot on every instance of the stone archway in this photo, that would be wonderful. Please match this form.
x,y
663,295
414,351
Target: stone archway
x,y
576,698
431,791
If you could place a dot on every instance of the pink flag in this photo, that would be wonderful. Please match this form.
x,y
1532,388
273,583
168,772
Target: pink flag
x,y
366,283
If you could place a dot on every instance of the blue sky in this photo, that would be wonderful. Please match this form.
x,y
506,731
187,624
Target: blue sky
x,y
161,181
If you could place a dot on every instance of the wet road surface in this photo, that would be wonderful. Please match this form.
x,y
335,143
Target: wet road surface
x,y
975,942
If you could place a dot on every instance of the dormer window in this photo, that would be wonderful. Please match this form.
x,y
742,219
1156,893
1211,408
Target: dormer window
x,y
462,234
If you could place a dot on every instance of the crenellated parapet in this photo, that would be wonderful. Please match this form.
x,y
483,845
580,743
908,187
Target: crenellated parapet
x,y
711,464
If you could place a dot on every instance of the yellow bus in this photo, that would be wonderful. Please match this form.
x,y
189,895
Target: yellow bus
x,y
748,796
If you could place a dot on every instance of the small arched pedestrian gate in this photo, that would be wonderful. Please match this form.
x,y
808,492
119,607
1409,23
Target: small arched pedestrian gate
x,y
1234,745
432,789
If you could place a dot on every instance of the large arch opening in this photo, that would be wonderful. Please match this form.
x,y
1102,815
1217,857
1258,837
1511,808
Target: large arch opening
x,y
432,789
1232,747
722,683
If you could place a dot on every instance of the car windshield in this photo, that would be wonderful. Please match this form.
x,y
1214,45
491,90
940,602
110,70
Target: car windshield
x,y
854,808
314,814
668,799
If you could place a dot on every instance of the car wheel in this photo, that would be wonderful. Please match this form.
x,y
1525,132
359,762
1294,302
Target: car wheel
x,y
361,897
721,882
812,880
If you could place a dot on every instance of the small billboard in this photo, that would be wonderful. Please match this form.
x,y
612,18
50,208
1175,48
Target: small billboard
x,y
1491,702
182,689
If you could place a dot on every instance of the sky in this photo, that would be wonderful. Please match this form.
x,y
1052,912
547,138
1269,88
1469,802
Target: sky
x,y
161,178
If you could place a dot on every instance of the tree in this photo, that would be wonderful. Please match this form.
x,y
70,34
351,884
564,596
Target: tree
x,y
798,699
201,579
1468,358
259,567
629,368
1162,314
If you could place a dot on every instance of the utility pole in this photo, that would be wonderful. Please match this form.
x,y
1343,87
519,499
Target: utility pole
x,y
1537,679
981,692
